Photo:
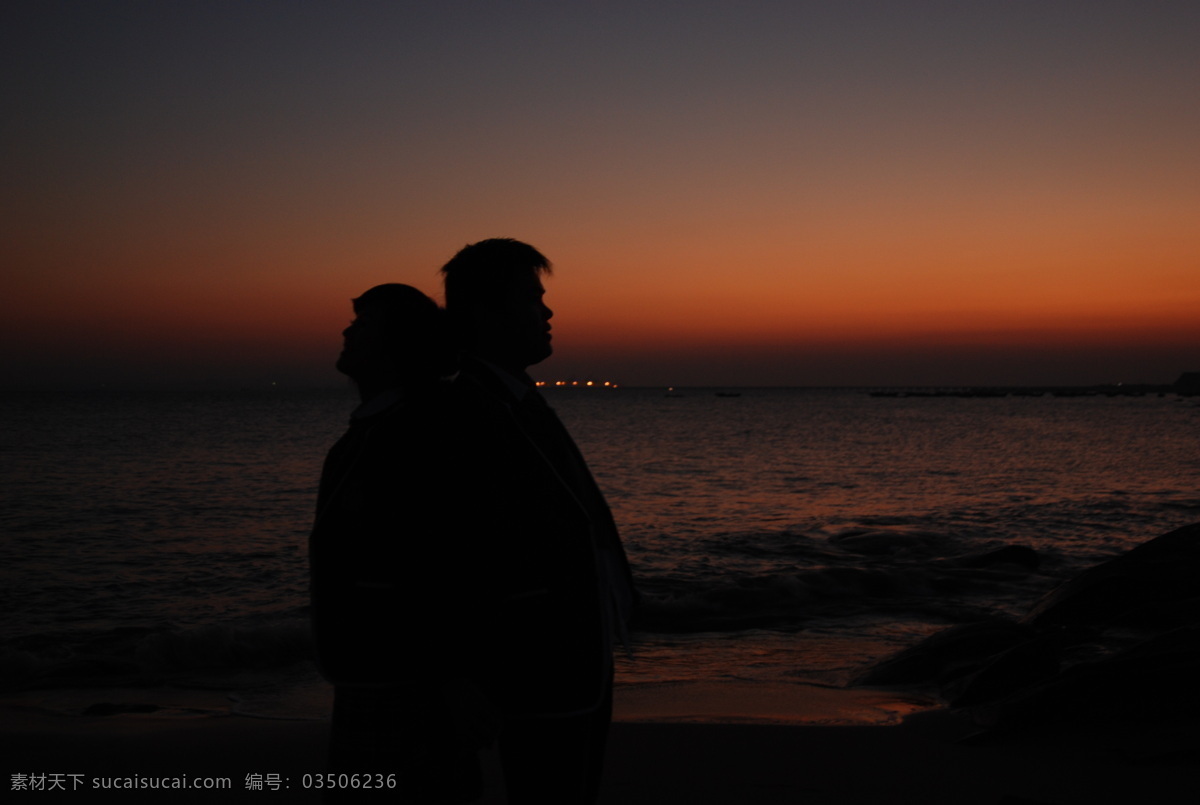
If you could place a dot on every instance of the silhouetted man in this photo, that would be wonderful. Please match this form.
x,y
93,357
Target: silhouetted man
x,y
551,566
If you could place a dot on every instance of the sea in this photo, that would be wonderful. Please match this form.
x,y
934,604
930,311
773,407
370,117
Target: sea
x,y
777,535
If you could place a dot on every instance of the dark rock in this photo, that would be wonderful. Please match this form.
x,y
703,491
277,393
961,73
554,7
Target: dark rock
x,y
1117,644
1027,663
1156,573
1152,681
949,653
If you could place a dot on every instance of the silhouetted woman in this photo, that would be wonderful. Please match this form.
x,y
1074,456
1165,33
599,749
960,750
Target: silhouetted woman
x,y
378,566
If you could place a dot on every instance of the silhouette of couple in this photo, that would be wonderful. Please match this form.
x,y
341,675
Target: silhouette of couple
x,y
467,576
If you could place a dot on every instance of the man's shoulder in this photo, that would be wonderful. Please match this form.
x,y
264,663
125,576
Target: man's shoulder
x,y
485,419
476,385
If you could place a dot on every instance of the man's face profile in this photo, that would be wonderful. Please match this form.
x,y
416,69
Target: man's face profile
x,y
515,330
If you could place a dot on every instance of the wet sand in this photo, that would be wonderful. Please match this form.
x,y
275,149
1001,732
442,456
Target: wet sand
x,y
695,744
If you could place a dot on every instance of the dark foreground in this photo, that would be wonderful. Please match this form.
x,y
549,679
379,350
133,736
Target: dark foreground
x,y
927,759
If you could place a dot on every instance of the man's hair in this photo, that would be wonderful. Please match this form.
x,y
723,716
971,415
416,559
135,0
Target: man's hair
x,y
417,335
482,271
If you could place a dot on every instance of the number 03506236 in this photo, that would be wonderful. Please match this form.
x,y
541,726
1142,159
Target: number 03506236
x,y
349,781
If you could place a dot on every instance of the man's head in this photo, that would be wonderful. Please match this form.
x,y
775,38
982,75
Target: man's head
x,y
494,298
398,337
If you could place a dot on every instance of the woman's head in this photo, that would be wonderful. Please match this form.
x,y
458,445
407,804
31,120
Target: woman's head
x,y
398,338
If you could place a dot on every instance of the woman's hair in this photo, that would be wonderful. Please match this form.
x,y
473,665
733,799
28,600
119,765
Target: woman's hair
x,y
415,332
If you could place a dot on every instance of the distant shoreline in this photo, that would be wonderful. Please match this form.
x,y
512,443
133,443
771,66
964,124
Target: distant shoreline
x,y
890,390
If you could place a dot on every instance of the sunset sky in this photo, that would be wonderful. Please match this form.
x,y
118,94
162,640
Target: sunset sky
x,y
774,193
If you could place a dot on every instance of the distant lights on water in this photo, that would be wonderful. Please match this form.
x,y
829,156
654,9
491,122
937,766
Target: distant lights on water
x,y
607,384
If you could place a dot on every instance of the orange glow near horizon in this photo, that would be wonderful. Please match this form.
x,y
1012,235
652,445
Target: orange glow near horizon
x,y
666,307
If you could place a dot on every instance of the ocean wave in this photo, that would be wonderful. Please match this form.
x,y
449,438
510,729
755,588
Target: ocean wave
x,y
849,574
144,655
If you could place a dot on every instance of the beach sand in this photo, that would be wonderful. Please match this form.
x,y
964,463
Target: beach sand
x,y
682,743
